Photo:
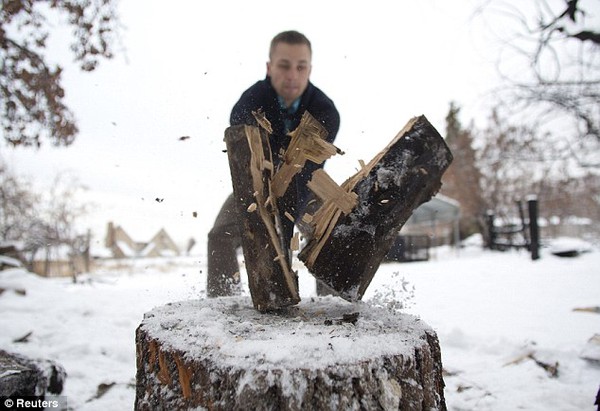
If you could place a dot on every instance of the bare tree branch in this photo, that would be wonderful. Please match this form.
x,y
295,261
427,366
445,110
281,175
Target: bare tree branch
x,y
587,35
554,70
32,106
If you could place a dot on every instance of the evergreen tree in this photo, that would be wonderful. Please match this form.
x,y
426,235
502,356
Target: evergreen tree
x,y
462,179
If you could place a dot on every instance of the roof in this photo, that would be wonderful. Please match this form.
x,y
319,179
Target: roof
x,y
439,209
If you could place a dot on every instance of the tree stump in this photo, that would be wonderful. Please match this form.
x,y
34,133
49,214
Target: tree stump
x,y
323,354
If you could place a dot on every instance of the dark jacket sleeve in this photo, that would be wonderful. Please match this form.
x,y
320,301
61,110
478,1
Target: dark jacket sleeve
x,y
250,100
322,109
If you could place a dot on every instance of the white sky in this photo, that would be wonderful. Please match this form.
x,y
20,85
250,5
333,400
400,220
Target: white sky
x,y
185,64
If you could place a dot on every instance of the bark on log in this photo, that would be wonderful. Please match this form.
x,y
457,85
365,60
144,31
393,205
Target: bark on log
x,y
22,376
272,282
347,249
325,354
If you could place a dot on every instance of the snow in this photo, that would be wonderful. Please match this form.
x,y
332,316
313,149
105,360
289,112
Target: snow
x,y
9,261
496,314
566,244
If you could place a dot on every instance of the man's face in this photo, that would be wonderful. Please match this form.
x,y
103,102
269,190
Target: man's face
x,y
289,70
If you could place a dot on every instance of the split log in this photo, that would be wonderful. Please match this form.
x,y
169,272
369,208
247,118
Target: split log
x,y
324,354
272,282
347,248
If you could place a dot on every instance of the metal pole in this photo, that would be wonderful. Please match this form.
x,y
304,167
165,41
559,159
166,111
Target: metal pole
x,y
534,230
491,231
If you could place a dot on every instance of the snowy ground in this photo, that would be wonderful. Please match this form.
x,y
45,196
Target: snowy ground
x,y
491,311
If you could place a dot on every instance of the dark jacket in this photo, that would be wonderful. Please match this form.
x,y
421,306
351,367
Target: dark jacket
x,y
263,96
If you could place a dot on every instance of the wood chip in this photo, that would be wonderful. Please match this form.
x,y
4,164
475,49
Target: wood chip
x,y
327,189
307,218
295,243
24,338
262,121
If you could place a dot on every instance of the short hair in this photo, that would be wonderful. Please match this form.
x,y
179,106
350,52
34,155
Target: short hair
x,y
289,37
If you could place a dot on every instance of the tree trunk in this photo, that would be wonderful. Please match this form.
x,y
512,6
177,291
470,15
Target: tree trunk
x,y
348,247
325,354
272,282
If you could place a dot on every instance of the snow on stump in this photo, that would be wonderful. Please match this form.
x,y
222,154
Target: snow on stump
x,y
323,354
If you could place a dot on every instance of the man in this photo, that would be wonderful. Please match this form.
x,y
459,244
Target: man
x,y
283,96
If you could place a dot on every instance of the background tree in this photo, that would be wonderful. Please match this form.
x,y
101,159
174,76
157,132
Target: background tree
x,y
550,59
42,222
516,162
462,179
510,161
17,205
31,94
60,215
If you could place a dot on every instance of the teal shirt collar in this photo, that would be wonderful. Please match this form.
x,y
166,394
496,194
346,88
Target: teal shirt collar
x,y
292,108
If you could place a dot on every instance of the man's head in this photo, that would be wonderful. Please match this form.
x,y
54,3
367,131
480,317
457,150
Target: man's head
x,y
289,64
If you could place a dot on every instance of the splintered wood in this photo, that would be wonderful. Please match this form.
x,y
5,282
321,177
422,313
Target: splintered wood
x,y
307,143
272,282
258,170
328,214
347,248
328,190
357,222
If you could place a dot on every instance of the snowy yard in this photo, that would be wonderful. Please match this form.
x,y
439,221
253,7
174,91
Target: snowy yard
x,y
495,314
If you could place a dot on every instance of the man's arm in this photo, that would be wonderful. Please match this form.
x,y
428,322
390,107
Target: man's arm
x,y
251,100
323,109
